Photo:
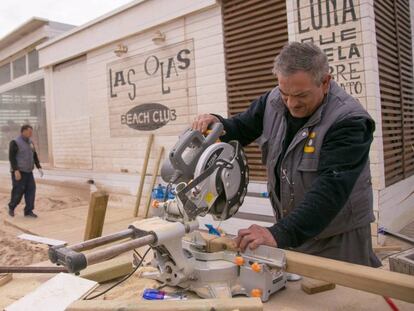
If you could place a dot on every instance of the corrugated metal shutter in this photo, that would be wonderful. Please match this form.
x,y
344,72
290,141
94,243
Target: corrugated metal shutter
x,y
254,33
393,28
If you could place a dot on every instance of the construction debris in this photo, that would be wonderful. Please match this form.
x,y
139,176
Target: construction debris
x,y
55,294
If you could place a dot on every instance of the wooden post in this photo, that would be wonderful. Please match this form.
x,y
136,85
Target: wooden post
x,y
143,173
153,181
96,215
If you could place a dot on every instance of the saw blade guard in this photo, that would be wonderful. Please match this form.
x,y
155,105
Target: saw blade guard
x,y
183,157
220,183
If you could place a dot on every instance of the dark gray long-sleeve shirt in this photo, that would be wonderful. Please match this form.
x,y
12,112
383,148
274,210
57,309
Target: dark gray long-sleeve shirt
x,y
345,150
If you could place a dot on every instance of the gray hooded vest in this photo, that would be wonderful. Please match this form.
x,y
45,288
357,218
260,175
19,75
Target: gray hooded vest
x,y
24,157
300,162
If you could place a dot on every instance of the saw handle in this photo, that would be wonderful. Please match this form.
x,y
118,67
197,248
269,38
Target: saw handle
x,y
213,133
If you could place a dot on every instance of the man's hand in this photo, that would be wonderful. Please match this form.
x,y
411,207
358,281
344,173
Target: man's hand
x,y
202,122
17,175
253,237
41,172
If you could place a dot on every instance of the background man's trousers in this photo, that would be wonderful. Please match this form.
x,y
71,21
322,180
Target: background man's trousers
x,y
25,186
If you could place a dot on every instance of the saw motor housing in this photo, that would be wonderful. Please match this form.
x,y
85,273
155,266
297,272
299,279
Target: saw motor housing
x,y
211,177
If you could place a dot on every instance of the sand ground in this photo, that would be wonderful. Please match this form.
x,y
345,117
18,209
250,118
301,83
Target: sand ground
x,y
17,252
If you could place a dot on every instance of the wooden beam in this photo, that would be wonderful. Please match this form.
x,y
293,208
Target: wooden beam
x,y
96,215
377,281
108,270
143,173
223,304
154,179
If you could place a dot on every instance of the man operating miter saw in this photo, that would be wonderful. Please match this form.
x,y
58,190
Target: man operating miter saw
x,y
315,140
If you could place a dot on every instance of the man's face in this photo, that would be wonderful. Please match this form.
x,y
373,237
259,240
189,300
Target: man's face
x,y
27,133
302,96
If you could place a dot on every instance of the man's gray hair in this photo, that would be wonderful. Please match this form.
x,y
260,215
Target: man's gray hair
x,y
305,57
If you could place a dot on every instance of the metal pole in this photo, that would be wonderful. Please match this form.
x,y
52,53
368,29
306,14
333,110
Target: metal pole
x,y
23,269
102,240
115,250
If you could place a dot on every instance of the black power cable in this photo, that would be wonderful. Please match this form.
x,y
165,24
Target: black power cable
x,y
122,280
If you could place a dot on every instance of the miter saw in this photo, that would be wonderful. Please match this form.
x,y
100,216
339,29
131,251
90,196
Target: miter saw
x,y
210,177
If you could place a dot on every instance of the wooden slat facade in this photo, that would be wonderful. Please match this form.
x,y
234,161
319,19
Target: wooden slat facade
x,y
393,30
254,33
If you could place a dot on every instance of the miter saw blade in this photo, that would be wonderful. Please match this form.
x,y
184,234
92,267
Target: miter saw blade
x,y
220,182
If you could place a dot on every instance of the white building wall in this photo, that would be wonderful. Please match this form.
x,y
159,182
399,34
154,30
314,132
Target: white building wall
x,y
71,139
113,155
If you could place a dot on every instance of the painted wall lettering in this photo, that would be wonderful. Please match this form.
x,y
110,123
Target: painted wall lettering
x,y
152,90
334,25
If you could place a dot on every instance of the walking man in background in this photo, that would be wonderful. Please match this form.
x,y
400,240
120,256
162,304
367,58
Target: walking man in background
x,y
23,158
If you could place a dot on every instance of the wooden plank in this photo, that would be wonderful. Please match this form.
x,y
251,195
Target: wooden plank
x,y
96,215
143,173
42,240
54,295
223,304
154,179
5,278
377,281
312,286
108,270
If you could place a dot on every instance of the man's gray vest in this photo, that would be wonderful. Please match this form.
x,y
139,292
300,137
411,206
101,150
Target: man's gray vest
x,y
24,157
300,163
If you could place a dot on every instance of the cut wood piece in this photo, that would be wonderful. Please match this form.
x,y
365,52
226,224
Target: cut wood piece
x,y
96,215
215,243
54,295
386,248
154,179
108,270
143,173
312,286
5,278
224,304
377,281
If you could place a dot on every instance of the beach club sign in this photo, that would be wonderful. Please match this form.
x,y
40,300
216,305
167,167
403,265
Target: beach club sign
x,y
152,91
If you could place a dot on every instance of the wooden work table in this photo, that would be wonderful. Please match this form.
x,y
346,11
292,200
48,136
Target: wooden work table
x,y
291,298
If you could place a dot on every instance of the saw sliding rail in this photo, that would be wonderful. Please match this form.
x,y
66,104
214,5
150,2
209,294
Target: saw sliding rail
x,y
73,258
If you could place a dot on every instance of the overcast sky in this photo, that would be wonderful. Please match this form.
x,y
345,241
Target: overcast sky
x,y
13,13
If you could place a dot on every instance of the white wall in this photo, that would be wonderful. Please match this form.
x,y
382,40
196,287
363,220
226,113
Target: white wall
x,y
81,94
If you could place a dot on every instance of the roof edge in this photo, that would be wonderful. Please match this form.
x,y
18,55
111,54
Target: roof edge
x,y
90,23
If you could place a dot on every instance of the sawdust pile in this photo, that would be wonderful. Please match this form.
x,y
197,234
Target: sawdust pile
x,y
17,252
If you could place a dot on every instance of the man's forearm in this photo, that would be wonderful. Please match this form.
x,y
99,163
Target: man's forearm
x,y
36,160
246,126
12,156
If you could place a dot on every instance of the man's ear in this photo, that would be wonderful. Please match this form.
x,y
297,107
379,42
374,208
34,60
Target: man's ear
x,y
325,83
